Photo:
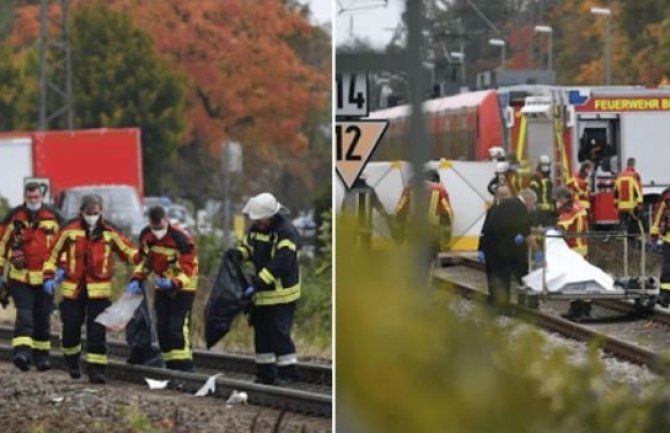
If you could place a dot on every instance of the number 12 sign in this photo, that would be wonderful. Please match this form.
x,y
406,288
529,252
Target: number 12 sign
x,y
355,142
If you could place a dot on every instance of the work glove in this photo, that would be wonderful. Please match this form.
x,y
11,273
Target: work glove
x,y
164,284
519,239
60,275
49,286
539,258
134,288
248,292
480,257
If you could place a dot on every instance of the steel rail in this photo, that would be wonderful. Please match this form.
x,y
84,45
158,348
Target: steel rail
x,y
305,402
614,346
310,373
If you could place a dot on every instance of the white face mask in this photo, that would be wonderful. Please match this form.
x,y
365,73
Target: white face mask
x,y
34,206
160,234
91,220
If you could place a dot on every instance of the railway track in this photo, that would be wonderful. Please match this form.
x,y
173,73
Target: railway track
x,y
468,280
311,395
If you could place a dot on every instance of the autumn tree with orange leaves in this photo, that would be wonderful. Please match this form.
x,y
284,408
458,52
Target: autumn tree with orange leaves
x,y
245,80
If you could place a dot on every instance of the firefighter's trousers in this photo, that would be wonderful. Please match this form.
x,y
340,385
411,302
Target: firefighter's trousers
x,y
665,273
275,351
31,329
73,314
173,320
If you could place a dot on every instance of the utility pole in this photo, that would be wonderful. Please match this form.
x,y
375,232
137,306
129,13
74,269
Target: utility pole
x,y
55,81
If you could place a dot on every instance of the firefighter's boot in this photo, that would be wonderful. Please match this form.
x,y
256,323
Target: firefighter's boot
x,y
96,373
22,360
41,360
73,367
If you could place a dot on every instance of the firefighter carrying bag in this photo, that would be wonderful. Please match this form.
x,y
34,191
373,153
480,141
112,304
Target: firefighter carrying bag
x,y
225,299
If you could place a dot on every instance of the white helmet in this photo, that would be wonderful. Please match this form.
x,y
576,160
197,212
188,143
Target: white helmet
x,y
496,152
544,160
502,167
262,206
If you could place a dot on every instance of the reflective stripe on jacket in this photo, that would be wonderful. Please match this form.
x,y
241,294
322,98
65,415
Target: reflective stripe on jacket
x,y
174,257
543,187
627,193
26,238
579,185
573,219
661,222
87,258
274,253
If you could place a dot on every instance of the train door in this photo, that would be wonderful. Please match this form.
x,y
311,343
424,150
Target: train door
x,y
599,140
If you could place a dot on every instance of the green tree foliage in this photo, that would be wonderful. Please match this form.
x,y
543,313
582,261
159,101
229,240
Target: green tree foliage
x,y
121,81
10,89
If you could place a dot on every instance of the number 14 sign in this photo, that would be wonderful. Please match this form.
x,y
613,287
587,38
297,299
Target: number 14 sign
x,y
355,138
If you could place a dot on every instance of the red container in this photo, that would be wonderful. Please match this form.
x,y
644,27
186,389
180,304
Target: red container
x,y
603,210
89,157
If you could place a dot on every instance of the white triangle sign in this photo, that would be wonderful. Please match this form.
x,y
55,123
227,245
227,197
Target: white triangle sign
x,y
355,141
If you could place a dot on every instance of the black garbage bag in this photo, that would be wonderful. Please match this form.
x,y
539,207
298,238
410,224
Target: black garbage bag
x,y
225,299
141,337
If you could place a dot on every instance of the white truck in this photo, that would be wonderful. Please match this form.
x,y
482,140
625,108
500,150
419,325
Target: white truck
x,y
16,164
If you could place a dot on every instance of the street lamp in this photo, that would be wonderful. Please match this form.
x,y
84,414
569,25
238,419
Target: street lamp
x,y
606,12
499,43
550,31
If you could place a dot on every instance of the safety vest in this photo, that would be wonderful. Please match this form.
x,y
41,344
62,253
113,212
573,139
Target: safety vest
x,y
627,193
661,222
274,253
439,206
581,190
573,220
26,238
543,187
87,258
173,257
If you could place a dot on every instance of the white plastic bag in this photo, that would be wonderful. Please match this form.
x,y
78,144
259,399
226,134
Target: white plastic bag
x,y
117,315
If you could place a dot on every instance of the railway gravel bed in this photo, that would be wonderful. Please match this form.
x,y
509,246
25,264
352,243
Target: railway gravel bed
x,y
52,402
652,335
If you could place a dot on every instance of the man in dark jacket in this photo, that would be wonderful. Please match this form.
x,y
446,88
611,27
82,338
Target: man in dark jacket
x,y
504,242
271,244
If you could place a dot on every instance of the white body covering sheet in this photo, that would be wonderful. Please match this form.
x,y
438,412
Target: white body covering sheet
x,y
567,269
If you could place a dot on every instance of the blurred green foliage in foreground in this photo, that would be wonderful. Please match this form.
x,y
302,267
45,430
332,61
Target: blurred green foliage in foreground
x,y
406,363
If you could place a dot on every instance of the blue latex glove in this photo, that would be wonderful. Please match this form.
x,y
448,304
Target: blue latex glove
x,y
60,275
164,284
248,292
49,286
519,239
134,288
480,257
539,257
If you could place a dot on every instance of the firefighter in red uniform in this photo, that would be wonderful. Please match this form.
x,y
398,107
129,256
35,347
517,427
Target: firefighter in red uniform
x,y
169,253
660,228
628,198
26,236
541,184
440,213
579,184
85,245
573,220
